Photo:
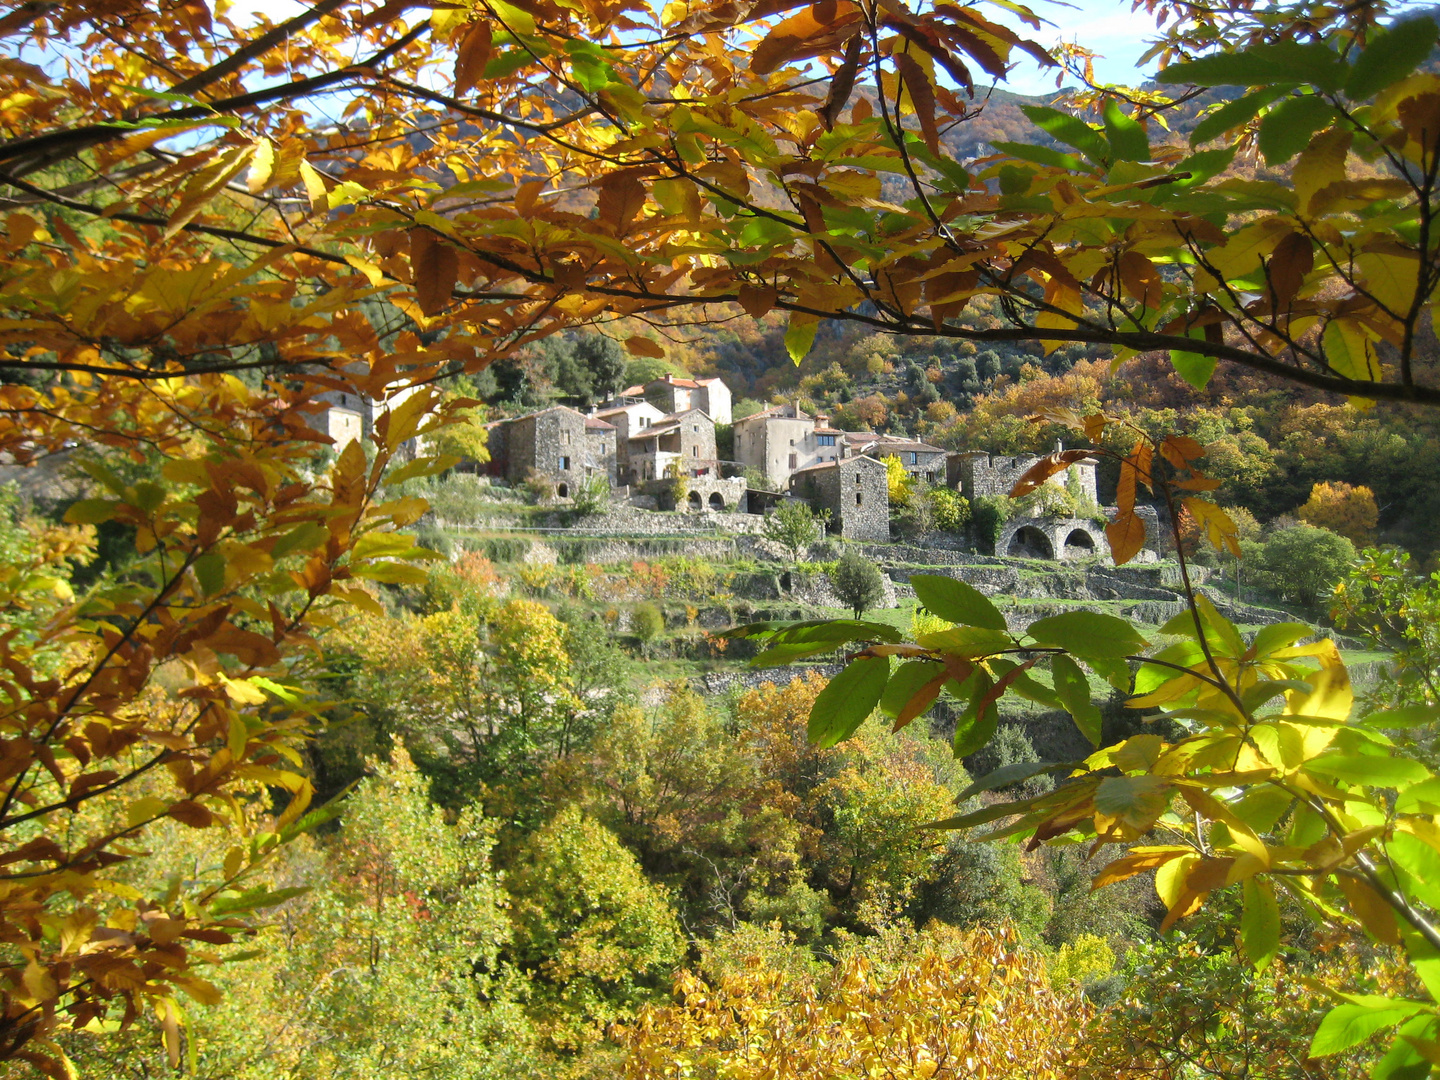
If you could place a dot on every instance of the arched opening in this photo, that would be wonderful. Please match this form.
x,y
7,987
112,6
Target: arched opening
x,y
695,503
716,501
1030,543
562,490
1079,544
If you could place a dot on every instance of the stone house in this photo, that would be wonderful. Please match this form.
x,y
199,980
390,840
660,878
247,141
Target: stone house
x,y
558,443
921,460
784,439
685,439
856,492
676,395
630,417
342,419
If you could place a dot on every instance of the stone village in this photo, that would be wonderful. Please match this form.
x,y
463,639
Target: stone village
x,y
649,437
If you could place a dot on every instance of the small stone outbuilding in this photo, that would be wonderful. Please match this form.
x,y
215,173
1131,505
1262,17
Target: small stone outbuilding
x,y
855,490
558,443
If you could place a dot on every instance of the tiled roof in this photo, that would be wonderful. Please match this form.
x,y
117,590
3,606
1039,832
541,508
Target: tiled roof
x,y
594,424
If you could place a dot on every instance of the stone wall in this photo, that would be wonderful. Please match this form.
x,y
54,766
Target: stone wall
x,y
977,474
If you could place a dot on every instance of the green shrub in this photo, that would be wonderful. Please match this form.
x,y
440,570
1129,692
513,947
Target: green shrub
x,y
858,583
988,517
648,623
950,509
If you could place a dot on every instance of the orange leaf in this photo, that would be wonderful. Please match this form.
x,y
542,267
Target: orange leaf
x,y
643,346
1140,279
472,56
1126,536
436,266
757,300
189,812
1045,468
922,700
1219,529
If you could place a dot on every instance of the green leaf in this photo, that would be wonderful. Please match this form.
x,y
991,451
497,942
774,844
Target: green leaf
x,y
1126,134
1040,155
310,535
1391,56
847,700
1201,167
906,683
1014,773
799,337
1193,368
1278,636
1288,127
1369,769
210,573
1232,114
1088,633
1420,861
1073,690
1404,1061
1263,65
1260,923
956,601
1409,716
1421,798
967,641
91,511
1348,1024
975,728
1070,130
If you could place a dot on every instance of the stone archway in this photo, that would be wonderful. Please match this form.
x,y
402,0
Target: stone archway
x,y
562,490
695,501
1029,542
717,501
1079,544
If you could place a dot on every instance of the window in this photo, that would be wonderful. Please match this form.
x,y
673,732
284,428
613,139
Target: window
x,y
857,479
857,498
914,458
565,438
827,440
793,460
694,451
694,427
792,442
564,464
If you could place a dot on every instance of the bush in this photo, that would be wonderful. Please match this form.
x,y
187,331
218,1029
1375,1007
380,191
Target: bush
x,y
592,496
794,526
951,510
988,517
648,622
858,583
1303,563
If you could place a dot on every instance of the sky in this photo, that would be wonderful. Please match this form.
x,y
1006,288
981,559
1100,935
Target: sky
x,y
1106,26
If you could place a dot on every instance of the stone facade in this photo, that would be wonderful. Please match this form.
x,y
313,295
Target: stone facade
x,y
783,440
854,490
686,440
1051,538
713,493
629,418
675,395
921,461
558,443
977,474
342,424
